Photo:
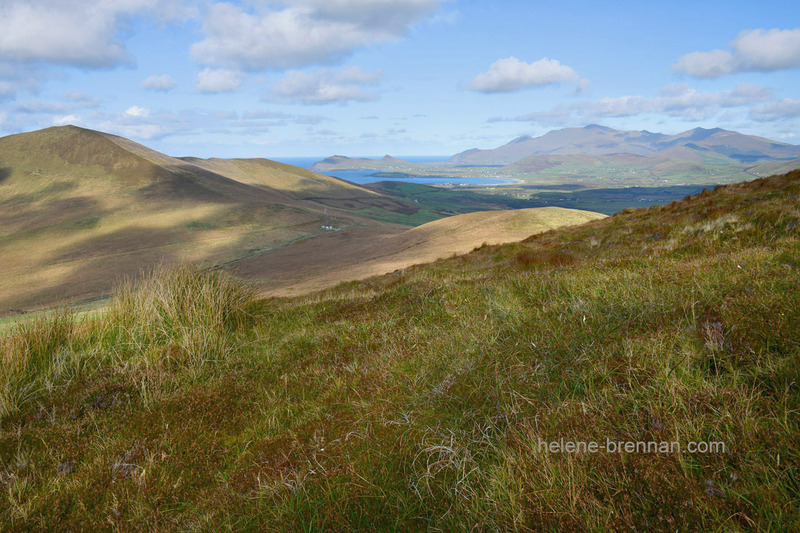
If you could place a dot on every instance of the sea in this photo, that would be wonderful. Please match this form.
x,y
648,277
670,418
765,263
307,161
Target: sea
x,y
362,177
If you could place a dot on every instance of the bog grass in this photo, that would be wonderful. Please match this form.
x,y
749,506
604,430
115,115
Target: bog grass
x,y
419,400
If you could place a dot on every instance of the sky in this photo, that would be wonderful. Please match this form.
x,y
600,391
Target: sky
x,y
291,78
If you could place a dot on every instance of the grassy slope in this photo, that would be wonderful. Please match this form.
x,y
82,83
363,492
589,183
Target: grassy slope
x,y
80,209
774,167
347,256
417,400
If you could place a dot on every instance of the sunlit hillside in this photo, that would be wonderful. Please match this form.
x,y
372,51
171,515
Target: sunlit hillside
x,y
347,256
80,209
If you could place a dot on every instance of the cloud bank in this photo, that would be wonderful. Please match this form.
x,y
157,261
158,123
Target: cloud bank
x,y
780,110
80,33
69,33
325,86
677,100
303,33
752,51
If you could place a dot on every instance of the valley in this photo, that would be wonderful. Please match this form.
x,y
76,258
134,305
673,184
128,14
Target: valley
x,y
335,257
82,210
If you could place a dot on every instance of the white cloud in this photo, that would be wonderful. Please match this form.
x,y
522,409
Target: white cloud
x,y
141,124
678,100
136,111
390,16
619,106
746,94
712,64
558,116
780,110
681,100
31,114
83,33
324,132
66,119
326,86
163,83
303,32
768,50
219,80
757,50
72,33
312,120
511,74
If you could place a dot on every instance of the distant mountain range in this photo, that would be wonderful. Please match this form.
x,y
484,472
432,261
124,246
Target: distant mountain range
x,y
699,145
340,162
597,156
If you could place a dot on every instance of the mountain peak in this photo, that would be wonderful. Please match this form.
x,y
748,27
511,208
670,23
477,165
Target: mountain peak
x,y
705,131
68,128
697,134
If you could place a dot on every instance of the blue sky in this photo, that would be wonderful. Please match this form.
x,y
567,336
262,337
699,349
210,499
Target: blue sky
x,y
284,78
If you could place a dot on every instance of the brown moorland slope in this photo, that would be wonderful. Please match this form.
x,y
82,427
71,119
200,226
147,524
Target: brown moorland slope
x,y
348,256
80,209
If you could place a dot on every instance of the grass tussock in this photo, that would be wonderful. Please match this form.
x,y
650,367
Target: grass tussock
x,y
174,315
193,312
427,399
29,354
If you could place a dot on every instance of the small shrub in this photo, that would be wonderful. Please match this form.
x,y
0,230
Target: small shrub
x,y
526,258
531,258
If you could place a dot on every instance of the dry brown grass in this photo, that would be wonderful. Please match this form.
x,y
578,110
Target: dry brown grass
x,y
339,257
